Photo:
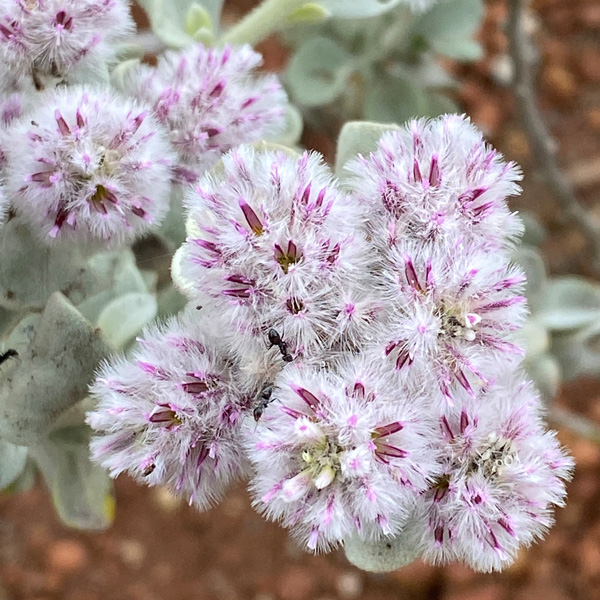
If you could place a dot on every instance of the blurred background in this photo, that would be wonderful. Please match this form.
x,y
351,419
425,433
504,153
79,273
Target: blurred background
x,y
160,549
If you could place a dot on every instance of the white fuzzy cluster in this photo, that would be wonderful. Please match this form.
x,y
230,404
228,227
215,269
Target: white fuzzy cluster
x,y
210,100
88,165
54,38
435,182
347,454
172,414
274,240
373,328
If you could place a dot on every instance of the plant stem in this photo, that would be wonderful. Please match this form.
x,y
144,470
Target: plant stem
x,y
542,145
266,18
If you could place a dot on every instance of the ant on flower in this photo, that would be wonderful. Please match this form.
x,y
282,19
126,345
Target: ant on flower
x,y
275,340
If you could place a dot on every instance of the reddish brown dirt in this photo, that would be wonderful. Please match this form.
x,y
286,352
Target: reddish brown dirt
x,y
159,549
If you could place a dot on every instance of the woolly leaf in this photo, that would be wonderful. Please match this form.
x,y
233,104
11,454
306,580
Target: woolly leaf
x,y
124,317
534,337
52,374
294,125
171,18
532,264
12,462
352,9
311,12
197,17
358,137
448,28
81,491
578,352
380,556
29,271
395,100
570,303
546,374
318,72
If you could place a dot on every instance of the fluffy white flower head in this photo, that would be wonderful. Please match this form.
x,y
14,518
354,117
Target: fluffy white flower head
x,y
171,415
88,166
273,244
52,37
436,180
338,455
210,100
502,474
452,314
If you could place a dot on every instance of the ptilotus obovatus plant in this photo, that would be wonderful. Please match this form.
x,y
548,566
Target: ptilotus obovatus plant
x,y
350,348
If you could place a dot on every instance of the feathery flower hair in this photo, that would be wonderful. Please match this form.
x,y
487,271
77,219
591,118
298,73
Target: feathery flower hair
x,y
502,474
274,244
210,100
437,179
451,314
339,454
88,166
51,37
171,415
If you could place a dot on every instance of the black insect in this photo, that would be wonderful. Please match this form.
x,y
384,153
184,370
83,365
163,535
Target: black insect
x,y
264,400
275,340
8,354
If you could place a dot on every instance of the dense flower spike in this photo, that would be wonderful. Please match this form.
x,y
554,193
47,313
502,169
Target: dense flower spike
x,y
452,312
274,244
40,38
172,414
437,180
210,100
88,166
339,454
502,475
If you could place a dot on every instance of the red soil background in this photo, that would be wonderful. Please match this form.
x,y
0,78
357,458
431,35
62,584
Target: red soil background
x,y
160,549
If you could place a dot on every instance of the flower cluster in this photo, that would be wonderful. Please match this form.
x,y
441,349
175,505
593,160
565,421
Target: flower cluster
x,y
172,415
437,182
88,165
52,38
404,413
273,239
340,454
501,474
210,101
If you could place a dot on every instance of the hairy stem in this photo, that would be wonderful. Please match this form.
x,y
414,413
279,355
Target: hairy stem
x,y
266,18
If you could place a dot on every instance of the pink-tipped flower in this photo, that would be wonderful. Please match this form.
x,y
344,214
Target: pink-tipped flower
x,y
41,38
502,475
210,100
339,455
452,313
88,166
171,415
434,181
274,244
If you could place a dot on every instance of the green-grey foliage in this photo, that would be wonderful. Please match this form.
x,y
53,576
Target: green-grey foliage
x,y
562,333
382,67
105,303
